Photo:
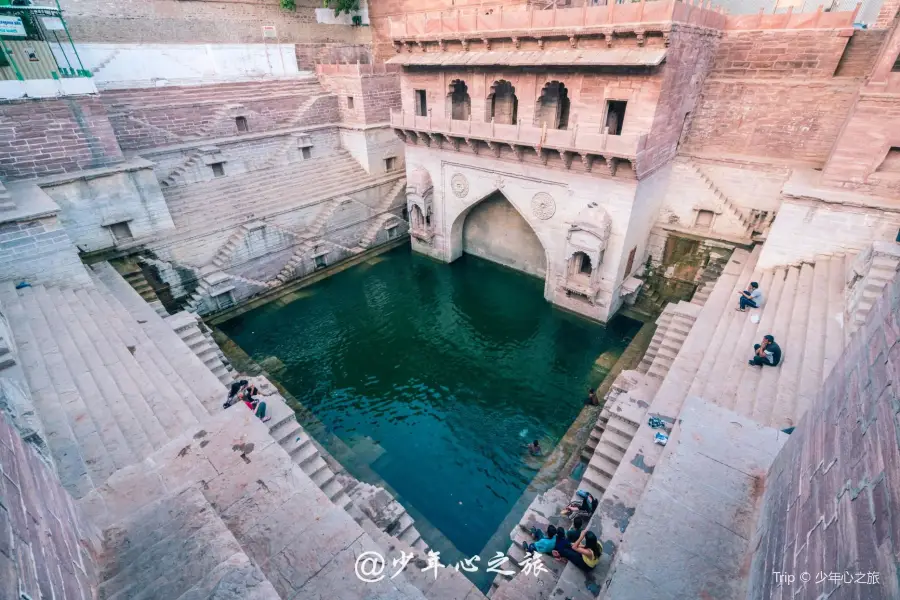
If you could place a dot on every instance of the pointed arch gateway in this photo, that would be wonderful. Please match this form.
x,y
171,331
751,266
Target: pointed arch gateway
x,y
494,229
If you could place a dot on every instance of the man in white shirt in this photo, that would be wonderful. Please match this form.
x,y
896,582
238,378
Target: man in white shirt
x,y
751,297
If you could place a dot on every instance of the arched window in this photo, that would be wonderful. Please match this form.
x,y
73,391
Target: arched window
x,y
418,221
503,106
585,267
460,102
553,106
580,264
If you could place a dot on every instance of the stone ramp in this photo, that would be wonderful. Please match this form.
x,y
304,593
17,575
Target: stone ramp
x,y
695,523
302,543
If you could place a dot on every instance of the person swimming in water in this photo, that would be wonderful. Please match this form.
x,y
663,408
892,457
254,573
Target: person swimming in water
x,y
535,448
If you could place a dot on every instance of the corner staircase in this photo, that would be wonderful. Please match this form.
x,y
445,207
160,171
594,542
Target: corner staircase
x,y
192,332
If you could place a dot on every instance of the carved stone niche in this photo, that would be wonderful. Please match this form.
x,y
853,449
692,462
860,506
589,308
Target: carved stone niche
x,y
586,243
420,203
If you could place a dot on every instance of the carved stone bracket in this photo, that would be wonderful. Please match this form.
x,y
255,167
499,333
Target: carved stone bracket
x,y
573,41
487,43
465,44
640,37
494,147
409,46
401,134
397,46
540,42
426,139
666,38
588,161
442,45
543,155
421,46
566,157
519,151
473,144
516,42
609,39
455,141
437,138
610,165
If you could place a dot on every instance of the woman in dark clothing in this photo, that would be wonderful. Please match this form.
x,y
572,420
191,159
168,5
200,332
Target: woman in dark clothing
x,y
584,554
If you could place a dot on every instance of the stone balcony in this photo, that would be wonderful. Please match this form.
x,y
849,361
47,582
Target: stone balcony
x,y
514,22
587,141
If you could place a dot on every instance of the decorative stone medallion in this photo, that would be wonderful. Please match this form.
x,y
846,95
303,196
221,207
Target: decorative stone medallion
x,y
542,206
460,185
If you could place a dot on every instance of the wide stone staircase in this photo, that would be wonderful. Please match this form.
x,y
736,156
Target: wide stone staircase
x,y
107,393
803,310
246,197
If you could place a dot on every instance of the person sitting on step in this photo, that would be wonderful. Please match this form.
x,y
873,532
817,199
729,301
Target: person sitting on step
x,y
592,399
543,544
751,297
235,392
766,354
584,553
255,404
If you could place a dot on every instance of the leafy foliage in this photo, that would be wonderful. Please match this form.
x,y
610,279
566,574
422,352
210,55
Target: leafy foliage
x,y
345,6
289,4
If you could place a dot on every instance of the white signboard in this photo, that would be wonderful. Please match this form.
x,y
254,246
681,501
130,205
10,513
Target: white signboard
x,y
53,23
269,31
12,26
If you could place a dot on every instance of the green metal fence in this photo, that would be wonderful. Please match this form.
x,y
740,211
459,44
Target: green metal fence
x,y
35,43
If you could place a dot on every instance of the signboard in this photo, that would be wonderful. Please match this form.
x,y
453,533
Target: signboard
x,y
269,31
53,24
12,26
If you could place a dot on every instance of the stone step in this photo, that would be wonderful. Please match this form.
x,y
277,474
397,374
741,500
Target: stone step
x,y
177,547
604,464
814,349
747,335
719,318
207,389
784,408
35,346
102,367
616,440
166,353
622,426
766,380
159,392
834,328
741,382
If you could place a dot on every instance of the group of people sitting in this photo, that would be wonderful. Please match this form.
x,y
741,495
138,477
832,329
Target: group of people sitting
x,y
767,353
242,391
576,545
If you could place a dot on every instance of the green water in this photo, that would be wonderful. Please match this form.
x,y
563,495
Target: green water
x,y
435,376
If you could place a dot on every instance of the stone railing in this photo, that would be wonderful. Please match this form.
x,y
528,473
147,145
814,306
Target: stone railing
x,y
477,22
355,69
587,139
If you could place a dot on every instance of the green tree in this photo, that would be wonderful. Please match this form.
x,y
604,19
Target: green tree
x,y
346,6
289,4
